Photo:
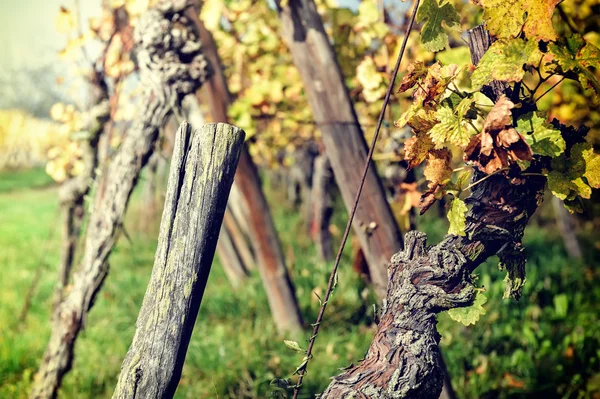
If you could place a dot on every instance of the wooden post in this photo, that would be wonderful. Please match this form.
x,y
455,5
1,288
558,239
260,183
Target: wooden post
x,y
345,145
270,260
228,250
322,202
202,171
167,75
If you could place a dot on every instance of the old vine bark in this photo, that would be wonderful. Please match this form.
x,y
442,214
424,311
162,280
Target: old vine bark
x,y
171,66
72,192
403,360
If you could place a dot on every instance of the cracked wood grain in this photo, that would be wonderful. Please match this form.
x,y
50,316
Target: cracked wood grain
x,y
202,170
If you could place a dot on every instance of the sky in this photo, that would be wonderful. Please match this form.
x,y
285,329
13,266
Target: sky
x,y
27,31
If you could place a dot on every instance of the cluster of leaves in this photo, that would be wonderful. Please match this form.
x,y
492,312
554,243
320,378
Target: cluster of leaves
x,y
454,113
269,99
65,160
450,117
113,30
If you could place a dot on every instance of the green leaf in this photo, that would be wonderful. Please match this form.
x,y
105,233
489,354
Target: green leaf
x,y
542,137
506,19
504,61
368,13
576,55
433,35
469,315
457,215
566,188
451,128
460,56
566,180
293,345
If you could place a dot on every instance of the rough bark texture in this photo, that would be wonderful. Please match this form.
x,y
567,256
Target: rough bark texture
x,y
303,31
404,360
322,207
227,249
202,172
270,259
72,192
171,66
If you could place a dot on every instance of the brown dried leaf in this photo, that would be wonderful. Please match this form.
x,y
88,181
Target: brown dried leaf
x,y
414,72
438,170
500,115
499,143
506,137
416,149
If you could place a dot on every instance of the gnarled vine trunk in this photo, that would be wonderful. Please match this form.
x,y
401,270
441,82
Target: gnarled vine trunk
x,y
171,66
72,192
404,360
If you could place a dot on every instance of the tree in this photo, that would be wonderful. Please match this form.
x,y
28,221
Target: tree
x,y
168,73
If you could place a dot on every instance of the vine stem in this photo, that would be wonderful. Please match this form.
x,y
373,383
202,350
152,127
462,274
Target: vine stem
x,y
549,90
483,178
332,277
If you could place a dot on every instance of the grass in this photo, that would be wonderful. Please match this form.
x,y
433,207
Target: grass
x,y
547,344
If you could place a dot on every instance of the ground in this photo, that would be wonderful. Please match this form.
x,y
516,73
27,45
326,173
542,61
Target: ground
x,y
545,345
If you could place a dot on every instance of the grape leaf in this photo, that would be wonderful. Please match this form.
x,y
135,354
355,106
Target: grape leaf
x,y
457,215
433,35
542,137
293,345
367,75
566,180
577,55
452,126
416,149
504,61
471,314
438,170
499,143
414,72
506,18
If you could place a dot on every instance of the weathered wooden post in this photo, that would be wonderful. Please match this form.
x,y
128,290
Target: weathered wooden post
x,y
202,171
345,145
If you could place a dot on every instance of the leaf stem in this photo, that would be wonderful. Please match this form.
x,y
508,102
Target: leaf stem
x,y
550,89
470,186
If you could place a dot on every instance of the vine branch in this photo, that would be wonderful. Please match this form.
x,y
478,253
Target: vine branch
x,y
332,277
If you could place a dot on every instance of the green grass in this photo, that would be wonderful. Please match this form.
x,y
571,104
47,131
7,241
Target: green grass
x,y
24,179
547,344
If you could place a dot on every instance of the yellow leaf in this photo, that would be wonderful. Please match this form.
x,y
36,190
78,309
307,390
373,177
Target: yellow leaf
x,y
64,21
